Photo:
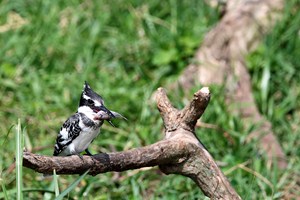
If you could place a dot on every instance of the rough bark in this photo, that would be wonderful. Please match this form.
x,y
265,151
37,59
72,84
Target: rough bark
x,y
179,153
221,60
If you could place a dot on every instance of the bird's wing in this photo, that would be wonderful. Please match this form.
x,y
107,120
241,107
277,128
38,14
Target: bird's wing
x,y
68,132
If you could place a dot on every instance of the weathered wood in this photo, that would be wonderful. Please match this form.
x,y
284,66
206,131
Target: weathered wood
x,y
159,153
221,60
179,153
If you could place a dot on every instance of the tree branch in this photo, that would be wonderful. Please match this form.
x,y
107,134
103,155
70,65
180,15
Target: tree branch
x,y
221,60
161,152
179,153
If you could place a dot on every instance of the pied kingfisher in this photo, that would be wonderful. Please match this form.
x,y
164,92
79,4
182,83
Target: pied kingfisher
x,y
77,133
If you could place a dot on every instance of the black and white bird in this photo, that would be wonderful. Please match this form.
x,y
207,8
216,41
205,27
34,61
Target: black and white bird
x,y
77,133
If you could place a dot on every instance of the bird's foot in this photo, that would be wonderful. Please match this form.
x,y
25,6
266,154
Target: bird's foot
x,y
88,152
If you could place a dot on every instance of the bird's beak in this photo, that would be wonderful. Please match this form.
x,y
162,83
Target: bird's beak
x,y
105,114
104,109
118,115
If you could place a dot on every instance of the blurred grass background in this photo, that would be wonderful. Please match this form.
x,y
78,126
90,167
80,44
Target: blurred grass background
x,y
126,50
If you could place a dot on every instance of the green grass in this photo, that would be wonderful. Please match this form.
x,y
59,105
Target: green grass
x,y
69,188
19,160
126,50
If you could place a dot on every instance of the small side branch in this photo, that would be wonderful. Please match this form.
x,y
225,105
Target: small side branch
x,y
192,112
168,113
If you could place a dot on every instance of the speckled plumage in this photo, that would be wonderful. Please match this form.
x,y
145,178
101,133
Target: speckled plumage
x,y
79,130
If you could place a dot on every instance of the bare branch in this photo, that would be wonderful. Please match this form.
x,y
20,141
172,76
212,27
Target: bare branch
x,y
162,152
192,112
221,60
179,153
168,113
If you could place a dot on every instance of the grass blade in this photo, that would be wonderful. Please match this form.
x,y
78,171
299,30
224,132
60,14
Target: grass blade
x,y
6,137
19,161
26,190
55,180
54,187
71,187
5,196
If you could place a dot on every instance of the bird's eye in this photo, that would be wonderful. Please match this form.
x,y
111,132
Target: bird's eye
x,y
90,101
